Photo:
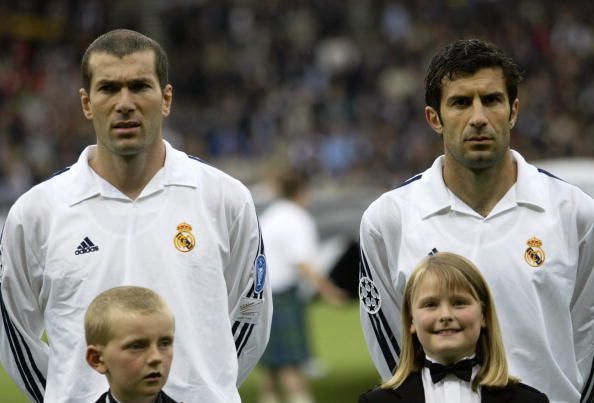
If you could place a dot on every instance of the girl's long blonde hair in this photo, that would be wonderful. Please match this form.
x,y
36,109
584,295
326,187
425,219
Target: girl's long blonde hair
x,y
453,273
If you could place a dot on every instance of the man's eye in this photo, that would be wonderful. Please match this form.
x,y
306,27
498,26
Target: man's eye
x,y
108,88
138,87
460,102
136,346
491,99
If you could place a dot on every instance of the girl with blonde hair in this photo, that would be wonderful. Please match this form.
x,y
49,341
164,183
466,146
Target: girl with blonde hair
x,y
452,349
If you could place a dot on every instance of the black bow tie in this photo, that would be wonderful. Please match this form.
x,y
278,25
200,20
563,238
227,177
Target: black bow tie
x,y
462,369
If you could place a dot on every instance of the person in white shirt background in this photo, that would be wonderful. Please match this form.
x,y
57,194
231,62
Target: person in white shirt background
x,y
291,237
530,233
133,211
452,350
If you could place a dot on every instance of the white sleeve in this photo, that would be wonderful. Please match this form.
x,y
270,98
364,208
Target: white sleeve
x,y
582,311
380,304
22,352
250,299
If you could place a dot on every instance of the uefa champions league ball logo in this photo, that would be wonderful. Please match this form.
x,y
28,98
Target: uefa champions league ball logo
x,y
369,295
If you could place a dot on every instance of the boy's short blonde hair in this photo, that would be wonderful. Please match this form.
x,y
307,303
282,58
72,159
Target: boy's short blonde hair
x,y
124,300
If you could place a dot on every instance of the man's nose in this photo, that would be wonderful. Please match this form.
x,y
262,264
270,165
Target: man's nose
x,y
125,102
478,120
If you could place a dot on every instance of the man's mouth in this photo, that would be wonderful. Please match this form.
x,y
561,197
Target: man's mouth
x,y
126,124
479,138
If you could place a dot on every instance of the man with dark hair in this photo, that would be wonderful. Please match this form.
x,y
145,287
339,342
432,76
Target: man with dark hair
x,y
453,61
531,234
133,211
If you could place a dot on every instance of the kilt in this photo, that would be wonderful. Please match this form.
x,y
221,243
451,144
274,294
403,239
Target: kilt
x,y
288,344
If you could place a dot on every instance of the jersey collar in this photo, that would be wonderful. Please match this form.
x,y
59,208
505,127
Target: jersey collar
x,y
179,168
177,171
529,190
433,197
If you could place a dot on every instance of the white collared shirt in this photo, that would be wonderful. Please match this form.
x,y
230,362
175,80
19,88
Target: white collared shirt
x,y
535,249
450,389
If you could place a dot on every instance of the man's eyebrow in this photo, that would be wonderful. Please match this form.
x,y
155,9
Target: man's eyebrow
x,y
457,97
464,96
138,80
494,94
106,81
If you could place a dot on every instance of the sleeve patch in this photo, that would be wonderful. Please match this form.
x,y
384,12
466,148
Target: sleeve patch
x,y
369,295
249,310
260,269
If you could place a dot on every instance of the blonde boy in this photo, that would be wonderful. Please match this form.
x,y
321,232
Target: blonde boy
x,y
129,333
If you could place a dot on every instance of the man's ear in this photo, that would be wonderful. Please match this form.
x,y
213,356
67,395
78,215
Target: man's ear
x,y
85,102
433,119
167,100
94,358
513,114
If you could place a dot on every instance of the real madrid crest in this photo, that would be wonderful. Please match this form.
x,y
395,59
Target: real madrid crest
x,y
534,254
184,240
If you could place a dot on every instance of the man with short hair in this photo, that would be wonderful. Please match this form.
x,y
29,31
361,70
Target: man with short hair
x,y
531,234
133,211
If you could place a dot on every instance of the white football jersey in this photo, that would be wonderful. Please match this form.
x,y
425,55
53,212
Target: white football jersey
x,y
192,236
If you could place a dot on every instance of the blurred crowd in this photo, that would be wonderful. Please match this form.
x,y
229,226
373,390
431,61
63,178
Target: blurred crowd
x,y
334,86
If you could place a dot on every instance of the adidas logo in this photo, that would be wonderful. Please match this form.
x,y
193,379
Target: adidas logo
x,y
86,246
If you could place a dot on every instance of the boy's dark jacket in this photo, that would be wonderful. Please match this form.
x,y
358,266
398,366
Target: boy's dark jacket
x,y
411,391
161,398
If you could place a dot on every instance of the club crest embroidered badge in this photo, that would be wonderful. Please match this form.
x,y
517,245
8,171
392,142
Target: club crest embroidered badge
x,y
534,254
184,240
